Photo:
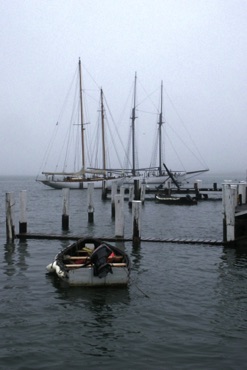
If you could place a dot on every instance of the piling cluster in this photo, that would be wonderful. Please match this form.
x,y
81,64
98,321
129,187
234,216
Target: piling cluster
x,y
234,201
117,210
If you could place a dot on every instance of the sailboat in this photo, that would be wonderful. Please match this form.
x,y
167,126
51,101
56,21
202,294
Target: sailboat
x,y
154,176
99,177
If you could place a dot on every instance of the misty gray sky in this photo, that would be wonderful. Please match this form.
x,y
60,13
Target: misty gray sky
x,y
197,47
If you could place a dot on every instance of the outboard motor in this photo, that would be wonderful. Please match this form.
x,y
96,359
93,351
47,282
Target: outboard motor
x,y
99,259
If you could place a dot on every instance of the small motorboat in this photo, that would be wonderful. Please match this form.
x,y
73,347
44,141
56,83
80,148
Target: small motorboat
x,y
169,199
91,262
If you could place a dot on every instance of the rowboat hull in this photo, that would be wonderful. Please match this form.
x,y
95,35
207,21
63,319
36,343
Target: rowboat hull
x,y
104,265
79,276
187,200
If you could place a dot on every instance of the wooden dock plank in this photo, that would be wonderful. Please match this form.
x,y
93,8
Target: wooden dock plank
x,y
114,239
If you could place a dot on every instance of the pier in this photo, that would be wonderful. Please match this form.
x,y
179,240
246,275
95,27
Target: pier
x,y
213,192
234,218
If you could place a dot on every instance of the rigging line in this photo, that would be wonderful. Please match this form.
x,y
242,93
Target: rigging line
x,y
76,144
58,124
48,150
127,104
97,149
170,141
72,118
200,160
180,118
96,140
115,126
127,162
143,111
83,65
110,133
114,142
148,96
68,94
154,151
75,161
55,131
87,95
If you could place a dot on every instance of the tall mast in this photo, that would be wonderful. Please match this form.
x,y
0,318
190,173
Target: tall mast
x,y
82,121
103,129
133,117
160,123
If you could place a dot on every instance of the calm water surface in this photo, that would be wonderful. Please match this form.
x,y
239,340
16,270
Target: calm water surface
x,y
185,307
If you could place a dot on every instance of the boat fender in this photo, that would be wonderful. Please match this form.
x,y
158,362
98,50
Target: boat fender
x,y
99,259
50,268
60,273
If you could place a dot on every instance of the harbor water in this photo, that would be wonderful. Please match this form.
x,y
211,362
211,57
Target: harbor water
x,y
185,306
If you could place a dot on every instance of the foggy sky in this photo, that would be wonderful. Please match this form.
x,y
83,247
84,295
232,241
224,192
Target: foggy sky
x,y
197,47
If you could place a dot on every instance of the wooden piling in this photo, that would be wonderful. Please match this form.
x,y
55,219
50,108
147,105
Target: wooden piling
x,y
242,192
10,228
119,219
90,207
136,190
23,212
142,192
104,190
113,193
229,194
131,195
136,221
122,191
65,214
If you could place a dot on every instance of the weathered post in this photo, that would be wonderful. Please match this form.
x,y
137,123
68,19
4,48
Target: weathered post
x,y
23,212
113,193
143,192
197,191
131,195
10,228
199,184
104,190
136,190
242,192
229,193
65,214
136,221
119,219
90,207
122,190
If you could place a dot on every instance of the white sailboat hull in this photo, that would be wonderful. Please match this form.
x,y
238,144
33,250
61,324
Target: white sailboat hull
x,y
151,181
80,184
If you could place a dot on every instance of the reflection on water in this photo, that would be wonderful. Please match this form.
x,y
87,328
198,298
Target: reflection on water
x,y
9,258
23,253
231,314
89,296
136,257
15,256
234,258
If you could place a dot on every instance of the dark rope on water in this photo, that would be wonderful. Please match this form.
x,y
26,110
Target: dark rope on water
x,y
133,282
